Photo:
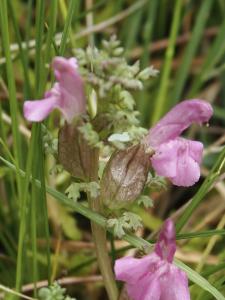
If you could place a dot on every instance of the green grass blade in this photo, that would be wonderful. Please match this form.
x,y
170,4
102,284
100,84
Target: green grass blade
x,y
33,234
23,217
132,26
12,292
49,49
215,53
213,269
39,42
30,161
162,17
12,199
38,170
66,30
219,112
143,103
190,51
199,280
163,88
43,203
11,83
148,31
21,51
202,234
27,33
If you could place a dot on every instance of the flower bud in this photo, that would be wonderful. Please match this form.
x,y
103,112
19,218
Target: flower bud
x,y
74,152
125,176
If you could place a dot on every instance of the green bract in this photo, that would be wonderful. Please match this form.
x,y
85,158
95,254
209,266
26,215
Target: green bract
x,y
53,292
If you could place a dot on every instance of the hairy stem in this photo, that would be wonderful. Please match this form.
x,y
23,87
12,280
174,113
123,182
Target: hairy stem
x,y
100,241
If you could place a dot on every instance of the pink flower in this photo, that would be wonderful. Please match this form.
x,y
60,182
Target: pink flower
x,y
67,94
175,157
154,277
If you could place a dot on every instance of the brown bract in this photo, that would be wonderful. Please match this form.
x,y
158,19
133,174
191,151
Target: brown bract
x,y
75,154
125,176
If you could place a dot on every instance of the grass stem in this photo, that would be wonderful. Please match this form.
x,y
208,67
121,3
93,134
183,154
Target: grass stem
x,y
164,83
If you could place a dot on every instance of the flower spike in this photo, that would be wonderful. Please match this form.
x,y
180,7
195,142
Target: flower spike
x,y
67,94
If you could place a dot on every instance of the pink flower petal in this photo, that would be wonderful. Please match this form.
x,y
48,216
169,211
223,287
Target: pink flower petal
x,y
147,288
37,111
179,161
192,174
72,89
166,244
164,160
67,94
178,119
174,285
196,150
64,65
124,267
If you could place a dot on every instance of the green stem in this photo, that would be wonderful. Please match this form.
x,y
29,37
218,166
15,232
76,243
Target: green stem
x,y
41,83
17,144
100,241
49,40
43,205
38,157
12,292
22,51
34,237
11,87
71,11
162,95
99,237
3,142
23,214
31,166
